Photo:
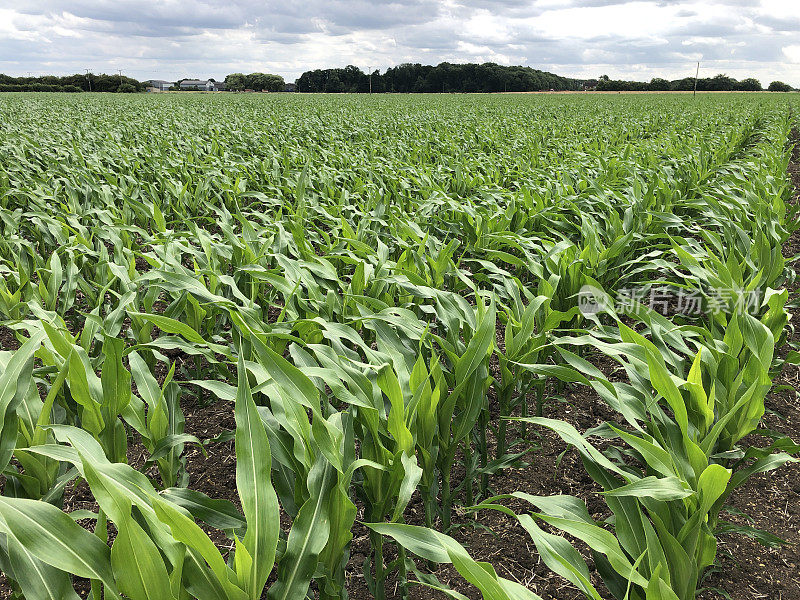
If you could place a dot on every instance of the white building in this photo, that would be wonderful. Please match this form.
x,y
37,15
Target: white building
x,y
207,86
158,85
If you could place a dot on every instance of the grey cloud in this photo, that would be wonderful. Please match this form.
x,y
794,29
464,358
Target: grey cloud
x,y
292,16
296,35
781,24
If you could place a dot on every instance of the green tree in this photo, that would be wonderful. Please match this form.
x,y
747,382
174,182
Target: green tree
x,y
779,86
275,83
721,83
683,85
658,84
264,81
235,82
749,85
334,84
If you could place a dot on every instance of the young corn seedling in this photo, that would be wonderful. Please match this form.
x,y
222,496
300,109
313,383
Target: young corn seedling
x,y
528,328
468,381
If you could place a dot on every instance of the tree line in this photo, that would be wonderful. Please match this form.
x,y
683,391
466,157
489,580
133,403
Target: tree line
x,y
70,83
718,83
404,78
444,77
238,82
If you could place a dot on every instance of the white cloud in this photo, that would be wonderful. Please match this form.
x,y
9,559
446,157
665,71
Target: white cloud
x,y
631,20
10,30
792,53
706,41
483,26
785,9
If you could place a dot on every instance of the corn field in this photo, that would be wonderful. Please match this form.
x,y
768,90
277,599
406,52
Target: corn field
x,y
393,298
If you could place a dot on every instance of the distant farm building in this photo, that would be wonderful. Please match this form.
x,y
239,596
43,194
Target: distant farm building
x,y
203,86
158,85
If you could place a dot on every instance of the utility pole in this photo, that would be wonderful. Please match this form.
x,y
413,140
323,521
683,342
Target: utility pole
x,y
696,77
369,69
89,79
120,76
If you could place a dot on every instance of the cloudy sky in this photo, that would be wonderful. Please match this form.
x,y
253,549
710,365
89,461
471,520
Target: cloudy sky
x,y
168,39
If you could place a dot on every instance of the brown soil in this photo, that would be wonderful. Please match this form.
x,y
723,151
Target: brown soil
x,y
8,340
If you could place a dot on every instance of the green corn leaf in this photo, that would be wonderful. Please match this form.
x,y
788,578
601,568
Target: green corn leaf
x,y
423,542
597,539
170,325
186,531
115,378
85,388
440,548
37,580
559,555
664,488
221,514
253,481
658,589
664,385
54,538
307,538
138,565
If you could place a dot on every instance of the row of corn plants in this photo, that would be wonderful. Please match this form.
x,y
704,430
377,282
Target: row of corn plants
x,y
388,322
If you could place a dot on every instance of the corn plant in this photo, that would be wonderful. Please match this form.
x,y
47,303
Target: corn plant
x,y
174,556
334,271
